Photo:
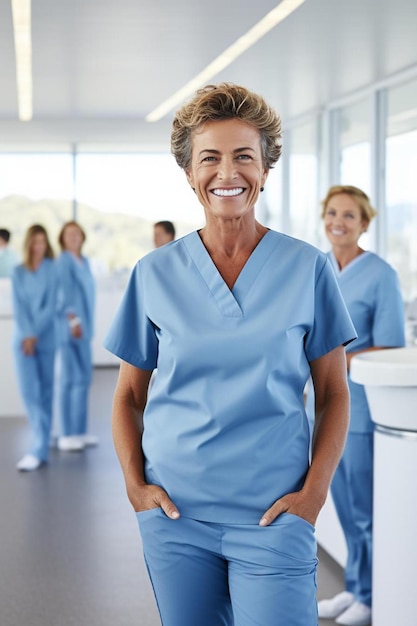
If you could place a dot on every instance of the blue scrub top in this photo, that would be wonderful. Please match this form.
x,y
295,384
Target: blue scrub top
x,y
225,431
76,295
372,293
34,304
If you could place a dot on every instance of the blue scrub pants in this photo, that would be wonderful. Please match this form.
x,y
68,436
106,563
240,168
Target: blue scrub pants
x,y
352,491
75,379
36,381
210,574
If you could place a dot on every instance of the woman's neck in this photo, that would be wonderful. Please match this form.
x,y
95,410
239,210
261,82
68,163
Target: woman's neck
x,y
35,263
345,255
230,241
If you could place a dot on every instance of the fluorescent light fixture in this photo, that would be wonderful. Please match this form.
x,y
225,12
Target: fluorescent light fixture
x,y
21,11
271,19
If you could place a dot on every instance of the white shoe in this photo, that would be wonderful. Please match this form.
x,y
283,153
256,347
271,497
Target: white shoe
x,y
71,443
329,609
358,614
89,440
29,463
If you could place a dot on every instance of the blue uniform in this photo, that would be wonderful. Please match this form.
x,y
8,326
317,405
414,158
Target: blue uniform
x,y
34,307
225,431
8,261
76,295
372,294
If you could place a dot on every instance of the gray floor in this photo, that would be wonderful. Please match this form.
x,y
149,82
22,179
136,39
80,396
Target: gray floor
x,y
70,552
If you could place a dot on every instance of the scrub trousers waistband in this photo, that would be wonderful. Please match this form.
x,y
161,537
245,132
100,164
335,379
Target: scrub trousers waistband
x,y
210,574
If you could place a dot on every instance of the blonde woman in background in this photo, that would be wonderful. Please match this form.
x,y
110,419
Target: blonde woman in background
x,y
34,284
372,294
76,299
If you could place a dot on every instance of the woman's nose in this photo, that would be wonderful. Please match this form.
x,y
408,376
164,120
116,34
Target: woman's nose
x,y
227,169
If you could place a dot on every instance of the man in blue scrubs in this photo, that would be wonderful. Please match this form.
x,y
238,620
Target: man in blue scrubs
x,y
234,317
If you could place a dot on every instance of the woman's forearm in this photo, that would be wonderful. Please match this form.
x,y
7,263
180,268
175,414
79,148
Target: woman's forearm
x,y
331,421
127,425
330,429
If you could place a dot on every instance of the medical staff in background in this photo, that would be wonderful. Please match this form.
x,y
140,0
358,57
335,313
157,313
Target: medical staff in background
x,y
371,290
34,288
76,301
8,257
163,232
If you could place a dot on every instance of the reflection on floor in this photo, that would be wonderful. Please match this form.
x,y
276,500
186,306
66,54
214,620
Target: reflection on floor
x,y
70,551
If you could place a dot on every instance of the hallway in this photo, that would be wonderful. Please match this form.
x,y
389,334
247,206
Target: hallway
x,y
70,552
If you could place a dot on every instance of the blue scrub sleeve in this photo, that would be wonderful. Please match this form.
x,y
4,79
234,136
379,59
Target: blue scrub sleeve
x,y
20,305
332,325
388,328
132,336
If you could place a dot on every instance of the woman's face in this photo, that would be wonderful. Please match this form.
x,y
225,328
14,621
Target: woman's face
x,y
72,239
227,170
343,221
38,247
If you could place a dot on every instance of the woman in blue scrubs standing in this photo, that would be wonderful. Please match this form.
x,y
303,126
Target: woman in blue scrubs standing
x,y
234,317
372,294
76,297
34,306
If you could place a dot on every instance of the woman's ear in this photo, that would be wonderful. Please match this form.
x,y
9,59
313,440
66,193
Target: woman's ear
x,y
264,177
190,177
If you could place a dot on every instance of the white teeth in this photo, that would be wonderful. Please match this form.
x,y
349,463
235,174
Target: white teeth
x,y
228,192
337,232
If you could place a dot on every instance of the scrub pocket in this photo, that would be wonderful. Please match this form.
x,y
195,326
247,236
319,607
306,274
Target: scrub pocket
x,y
148,514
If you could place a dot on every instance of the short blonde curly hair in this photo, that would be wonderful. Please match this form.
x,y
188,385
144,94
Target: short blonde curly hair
x,y
362,200
221,102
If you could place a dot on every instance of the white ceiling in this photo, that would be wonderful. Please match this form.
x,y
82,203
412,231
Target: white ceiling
x,y
99,66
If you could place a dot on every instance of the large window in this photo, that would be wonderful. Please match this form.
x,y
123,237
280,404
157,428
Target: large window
x,y
303,182
35,188
401,186
355,145
120,196
115,197
269,207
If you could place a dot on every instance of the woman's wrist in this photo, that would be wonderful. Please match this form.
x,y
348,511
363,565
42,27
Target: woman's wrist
x,y
74,321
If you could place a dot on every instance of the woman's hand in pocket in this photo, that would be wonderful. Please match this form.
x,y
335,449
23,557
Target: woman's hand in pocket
x,y
145,497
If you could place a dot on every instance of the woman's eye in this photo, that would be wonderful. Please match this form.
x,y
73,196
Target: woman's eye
x,y
243,157
209,158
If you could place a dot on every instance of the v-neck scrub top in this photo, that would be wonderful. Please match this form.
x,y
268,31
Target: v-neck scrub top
x,y
225,431
371,290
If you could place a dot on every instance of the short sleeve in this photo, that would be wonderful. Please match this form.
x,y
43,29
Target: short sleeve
x,y
388,329
132,336
332,325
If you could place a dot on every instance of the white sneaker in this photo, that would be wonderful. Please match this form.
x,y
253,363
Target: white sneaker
x,y
89,440
329,609
358,614
71,443
29,463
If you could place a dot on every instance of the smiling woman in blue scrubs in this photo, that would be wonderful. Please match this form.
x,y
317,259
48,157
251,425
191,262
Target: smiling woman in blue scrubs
x,y
34,285
234,317
372,294
76,297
